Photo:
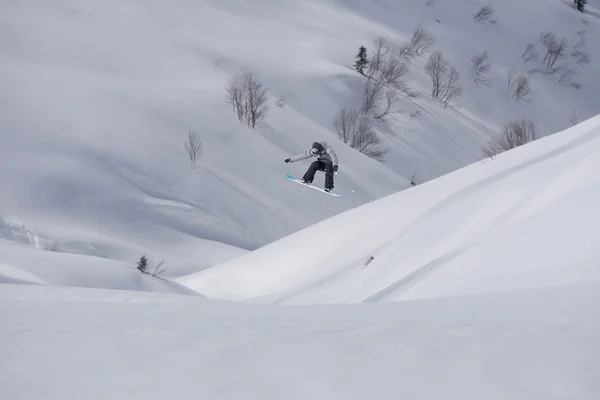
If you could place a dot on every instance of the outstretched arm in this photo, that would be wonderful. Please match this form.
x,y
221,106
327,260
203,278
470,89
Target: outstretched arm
x,y
300,156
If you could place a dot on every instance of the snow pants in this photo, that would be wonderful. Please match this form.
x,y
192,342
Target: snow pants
x,y
320,166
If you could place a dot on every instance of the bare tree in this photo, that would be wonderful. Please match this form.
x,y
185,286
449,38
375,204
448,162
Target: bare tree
x,y
236,96
554,50
194,147
421,40
391,99
484,14
480,65
444,79
522,89
345,123
159,269
574,118
391,71
384,75
452,88
436,67
406,51
248,98
355,129
518,85
380,50
371,95
143,265
256,97
513,134
530,53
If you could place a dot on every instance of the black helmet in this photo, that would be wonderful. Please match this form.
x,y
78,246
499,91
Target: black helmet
x,y
317,148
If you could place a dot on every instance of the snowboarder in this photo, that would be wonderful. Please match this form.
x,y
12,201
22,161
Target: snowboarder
x,y
326,161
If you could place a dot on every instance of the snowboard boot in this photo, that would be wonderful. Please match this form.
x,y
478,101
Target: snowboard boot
x,y
328,189
304,181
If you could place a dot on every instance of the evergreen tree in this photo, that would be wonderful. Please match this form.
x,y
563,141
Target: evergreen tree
x,y
142,264
580,4
361,59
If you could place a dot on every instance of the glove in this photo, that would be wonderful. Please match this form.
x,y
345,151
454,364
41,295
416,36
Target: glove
x,y
335,168
287,160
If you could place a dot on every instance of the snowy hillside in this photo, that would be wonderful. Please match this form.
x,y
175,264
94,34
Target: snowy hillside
x,y
97,99
528,218
494,273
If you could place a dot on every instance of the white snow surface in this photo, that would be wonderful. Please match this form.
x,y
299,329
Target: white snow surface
x,y
482,282
97,344
97,98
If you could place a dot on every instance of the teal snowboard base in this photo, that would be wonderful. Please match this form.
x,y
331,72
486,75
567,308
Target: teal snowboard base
x,y
290,177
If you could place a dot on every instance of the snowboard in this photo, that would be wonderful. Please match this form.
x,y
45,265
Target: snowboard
x,y
290,177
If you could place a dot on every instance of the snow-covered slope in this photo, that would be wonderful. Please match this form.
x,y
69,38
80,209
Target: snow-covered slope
x,y
528,218
97,98
72,344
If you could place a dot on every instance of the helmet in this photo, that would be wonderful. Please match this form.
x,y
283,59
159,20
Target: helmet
x,y
317,148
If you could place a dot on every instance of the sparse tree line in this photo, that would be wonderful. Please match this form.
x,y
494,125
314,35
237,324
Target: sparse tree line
x,y
555,59
385,66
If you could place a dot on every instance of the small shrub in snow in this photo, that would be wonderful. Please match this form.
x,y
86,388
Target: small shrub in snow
x,y
484,14
444,78
530,53
567,75
194,147
281,102
354,129
580,4
142,264
480,65
513,134
574,118
248,98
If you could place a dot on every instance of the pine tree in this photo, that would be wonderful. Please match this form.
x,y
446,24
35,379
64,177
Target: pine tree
x,y
361,59
580,4
142,264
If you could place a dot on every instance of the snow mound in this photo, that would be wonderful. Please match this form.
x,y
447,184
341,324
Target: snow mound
x,y
525,219
22,265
